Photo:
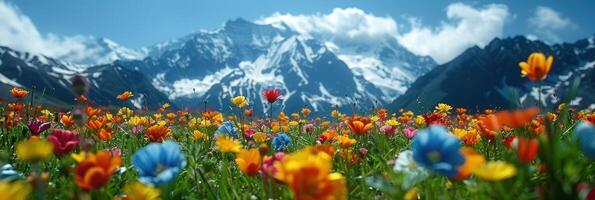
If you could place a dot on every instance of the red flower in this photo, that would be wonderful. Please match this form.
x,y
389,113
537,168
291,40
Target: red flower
x,y
271,95
64,141
527,149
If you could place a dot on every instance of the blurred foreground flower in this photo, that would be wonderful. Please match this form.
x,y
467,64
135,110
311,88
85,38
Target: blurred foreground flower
x,y
18,190
64,141
159,163
406,165
307,173
140,191
248,161
585,132
227,144
436,149
495,171
95,170
34,150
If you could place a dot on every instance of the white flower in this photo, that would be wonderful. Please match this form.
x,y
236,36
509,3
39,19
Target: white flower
x,y
406,165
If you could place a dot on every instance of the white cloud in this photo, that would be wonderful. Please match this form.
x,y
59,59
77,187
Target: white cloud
x,y
547,21
17,31
466,26
349,23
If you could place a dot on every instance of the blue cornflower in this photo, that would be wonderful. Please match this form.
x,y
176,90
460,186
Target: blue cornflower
x,y
229,129
159,163
8,173
434,148
281,141
585,133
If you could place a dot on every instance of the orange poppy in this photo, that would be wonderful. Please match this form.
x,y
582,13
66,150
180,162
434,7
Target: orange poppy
x,y
125,96
157,133
359,125
92,111
18,92
537,66
95,170
67,120
527,149
105,134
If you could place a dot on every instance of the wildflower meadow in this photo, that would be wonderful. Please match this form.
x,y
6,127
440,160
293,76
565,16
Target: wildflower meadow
x,y
91,152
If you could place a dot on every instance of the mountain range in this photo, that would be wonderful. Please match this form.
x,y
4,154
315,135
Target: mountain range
x,y
245,58
489,77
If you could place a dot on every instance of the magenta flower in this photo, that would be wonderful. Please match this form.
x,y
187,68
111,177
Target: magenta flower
x,y
388,130
309,128
268,168
64,141
409,132
36,127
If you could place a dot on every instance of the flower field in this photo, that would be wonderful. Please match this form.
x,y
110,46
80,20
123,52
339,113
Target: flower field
x,y
91,152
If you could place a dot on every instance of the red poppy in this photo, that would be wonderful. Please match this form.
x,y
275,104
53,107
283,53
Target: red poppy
x,y
271,95
527,149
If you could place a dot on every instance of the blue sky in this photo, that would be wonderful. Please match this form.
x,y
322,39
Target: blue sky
x,y
140,23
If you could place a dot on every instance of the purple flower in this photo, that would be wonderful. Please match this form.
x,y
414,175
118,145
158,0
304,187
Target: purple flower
x,y
36,127
409,132
363,152
309,128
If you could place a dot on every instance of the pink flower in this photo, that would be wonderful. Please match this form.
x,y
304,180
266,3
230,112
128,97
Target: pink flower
x,y
388,130
409,132
64,141
309,128
268,168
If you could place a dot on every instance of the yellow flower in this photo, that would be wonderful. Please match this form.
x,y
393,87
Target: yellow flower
x,y
139,191
335,113
249,161
199,135
227,144
47,113
468,137
420,120
259,137
307,173
78,157
18,190
239,101
391,122
495,171
34,150
293,123
345,141
125,112
412,194
443,108
537,66
165,106
374,118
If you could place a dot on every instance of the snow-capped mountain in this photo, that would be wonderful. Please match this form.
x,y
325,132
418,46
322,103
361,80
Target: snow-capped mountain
x,y
96,51
53,77
490,77
244,58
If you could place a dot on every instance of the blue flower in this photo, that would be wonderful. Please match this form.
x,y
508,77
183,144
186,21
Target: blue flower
x,y
281,141
229,129
159,163
585,133
7,173
434,148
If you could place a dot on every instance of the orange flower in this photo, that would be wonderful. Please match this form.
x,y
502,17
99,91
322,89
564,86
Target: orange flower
x,y
67,120
92,111
105,134
537,66
18,92
515,119
249,161
359,125
16,107
249,112
306,111
96,124
345,141
382,113
125,96
157,133
527,149
95,170
171,116
81,99
308,175
472,161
